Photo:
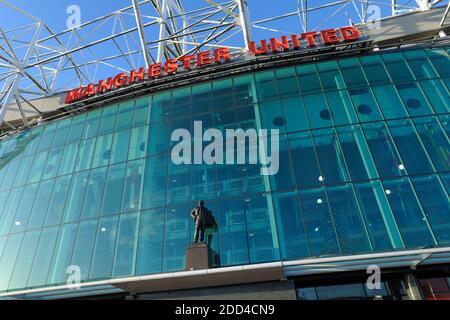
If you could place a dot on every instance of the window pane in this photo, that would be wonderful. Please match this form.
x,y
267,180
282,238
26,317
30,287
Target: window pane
x,y
419,64
287,82
283,179
141,111
380,223
43,257
437,94
410,148
138,143
151,241
341,108
389,102
134,183
125,115
271,116
22,173
318,223
7,218
125,257
102,151
105,243
119,148
397,67
94,192
304,158
233,240
318,113
40,207
63,254
178,183
155,182
76,128
365,105
331,157
291,228
112,197
203,182
243,87
160,108
84,244
350,226
383,150
222,94
435,141
24,208
38,167
75,197
265,85
158,140
261,228
108,120
176,237
61,133
92,123
85,153
69,157
52,165
352,73
410,218
414,99
47,137
57,201
201,98
181,102
440,60
9,258
374,69
436,206
330,76
308,79
356,153
294,114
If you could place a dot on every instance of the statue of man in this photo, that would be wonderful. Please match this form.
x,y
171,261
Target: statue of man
x,y
203,219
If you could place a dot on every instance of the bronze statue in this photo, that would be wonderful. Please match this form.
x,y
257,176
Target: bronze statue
x,y
203,219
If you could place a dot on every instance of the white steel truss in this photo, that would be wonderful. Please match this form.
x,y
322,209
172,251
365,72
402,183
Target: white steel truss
x,y
36,61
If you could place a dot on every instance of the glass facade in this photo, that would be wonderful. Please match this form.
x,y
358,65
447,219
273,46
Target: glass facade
x,y
364,167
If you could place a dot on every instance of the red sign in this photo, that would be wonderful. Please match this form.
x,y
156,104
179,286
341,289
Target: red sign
x,y
172,66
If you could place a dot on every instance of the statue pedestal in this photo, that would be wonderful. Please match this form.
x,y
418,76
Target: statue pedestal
x,y
197,257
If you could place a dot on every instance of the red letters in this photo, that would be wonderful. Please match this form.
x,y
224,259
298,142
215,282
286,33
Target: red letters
x,y
310,37
74,95
262,50
329,37
154,70
203,58
104,86
171,66
221,53
295,41
187,62
275,44
139,75
89,90
350,33
120,80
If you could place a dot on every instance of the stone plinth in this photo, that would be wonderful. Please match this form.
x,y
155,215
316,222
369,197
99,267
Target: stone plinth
x,y
197,257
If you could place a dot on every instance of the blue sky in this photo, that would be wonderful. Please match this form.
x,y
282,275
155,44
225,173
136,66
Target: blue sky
x,y
53,12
